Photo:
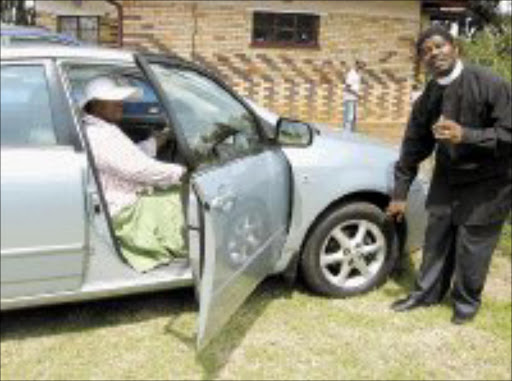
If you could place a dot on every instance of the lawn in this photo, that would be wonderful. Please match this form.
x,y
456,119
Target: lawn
x,y
282,332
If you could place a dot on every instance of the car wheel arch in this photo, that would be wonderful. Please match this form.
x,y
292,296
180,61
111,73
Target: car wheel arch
x,y
376,198
370,206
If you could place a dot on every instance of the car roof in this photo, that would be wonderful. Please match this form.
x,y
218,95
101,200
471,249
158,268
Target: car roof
x,y
10,28
86,52
6,26
34,31
55,52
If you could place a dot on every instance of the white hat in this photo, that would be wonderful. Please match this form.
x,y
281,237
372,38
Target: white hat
x,y
104,88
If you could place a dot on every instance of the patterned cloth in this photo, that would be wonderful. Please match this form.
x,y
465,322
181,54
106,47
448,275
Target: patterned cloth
x,y
125,169
150,231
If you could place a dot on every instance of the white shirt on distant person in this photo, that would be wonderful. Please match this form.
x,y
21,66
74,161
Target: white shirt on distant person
x,y
353,81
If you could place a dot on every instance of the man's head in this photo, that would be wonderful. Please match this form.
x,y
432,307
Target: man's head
x,y
360,65
437,50
103,98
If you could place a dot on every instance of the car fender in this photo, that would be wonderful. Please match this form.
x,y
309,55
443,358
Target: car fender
x,y
315,190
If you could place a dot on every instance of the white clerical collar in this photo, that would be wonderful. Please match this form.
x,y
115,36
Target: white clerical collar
x,y
452,76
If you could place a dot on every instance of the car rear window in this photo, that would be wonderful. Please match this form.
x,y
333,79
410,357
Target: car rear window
x,y
26,118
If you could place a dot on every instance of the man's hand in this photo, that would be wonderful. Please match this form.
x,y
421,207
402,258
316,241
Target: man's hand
x,y
396,210
446,129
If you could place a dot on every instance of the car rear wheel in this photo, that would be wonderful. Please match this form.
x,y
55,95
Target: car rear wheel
x,y
350,251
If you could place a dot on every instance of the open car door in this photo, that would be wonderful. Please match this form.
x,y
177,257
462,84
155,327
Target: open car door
x,y
239,188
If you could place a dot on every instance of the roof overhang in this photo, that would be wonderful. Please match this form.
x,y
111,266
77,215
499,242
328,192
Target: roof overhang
x,y
445,9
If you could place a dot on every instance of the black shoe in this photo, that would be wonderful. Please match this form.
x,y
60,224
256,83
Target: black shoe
x,y
407,304
459,319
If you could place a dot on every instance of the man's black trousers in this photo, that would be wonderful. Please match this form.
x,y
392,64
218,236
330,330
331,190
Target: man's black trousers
x,y
458,254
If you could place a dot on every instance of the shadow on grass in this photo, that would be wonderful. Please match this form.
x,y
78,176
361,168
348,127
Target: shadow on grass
x,y
84,316
216,355
81,317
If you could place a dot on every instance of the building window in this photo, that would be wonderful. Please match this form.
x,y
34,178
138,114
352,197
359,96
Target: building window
x,y
285,29
84,28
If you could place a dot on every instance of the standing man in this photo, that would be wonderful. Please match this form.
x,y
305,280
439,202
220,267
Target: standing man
x,y
464,114
351,96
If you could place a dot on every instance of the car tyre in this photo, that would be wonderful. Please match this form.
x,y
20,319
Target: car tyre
x,y
350,251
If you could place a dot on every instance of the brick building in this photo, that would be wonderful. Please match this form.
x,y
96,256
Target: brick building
x,y
290,56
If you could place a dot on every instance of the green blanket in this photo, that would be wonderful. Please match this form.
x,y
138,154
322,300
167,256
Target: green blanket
x,y
150,231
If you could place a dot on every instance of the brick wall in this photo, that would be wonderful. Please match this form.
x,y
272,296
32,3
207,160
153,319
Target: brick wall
x,y
300,83
109,31
159,26
47,20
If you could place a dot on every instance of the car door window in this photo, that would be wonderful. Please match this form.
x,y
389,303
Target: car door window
x,y
215,125
26,116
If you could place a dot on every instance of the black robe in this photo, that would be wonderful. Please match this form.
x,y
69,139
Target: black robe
x,y
471,180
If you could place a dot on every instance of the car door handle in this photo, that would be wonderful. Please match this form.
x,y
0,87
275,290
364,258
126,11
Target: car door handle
x,y
224,202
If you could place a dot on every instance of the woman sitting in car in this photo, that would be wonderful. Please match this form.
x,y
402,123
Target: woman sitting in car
x,y
141,192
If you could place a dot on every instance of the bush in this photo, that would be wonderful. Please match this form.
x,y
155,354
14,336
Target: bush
x,y
490,48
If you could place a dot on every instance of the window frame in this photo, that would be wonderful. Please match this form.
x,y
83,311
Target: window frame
x,y
60,123
78,30
275,29
74,119
72,114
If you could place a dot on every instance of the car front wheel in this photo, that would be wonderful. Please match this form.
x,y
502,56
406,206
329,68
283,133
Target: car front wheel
x,y
350,251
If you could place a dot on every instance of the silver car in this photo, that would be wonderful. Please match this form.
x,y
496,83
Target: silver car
x,y
265,195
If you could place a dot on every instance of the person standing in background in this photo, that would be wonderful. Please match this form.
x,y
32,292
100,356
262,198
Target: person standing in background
x,y
351,89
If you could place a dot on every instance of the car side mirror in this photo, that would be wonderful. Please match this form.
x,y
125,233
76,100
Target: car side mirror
x,y
293,133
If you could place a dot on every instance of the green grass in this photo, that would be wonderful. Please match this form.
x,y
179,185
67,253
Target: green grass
x,y
282,332
505,244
